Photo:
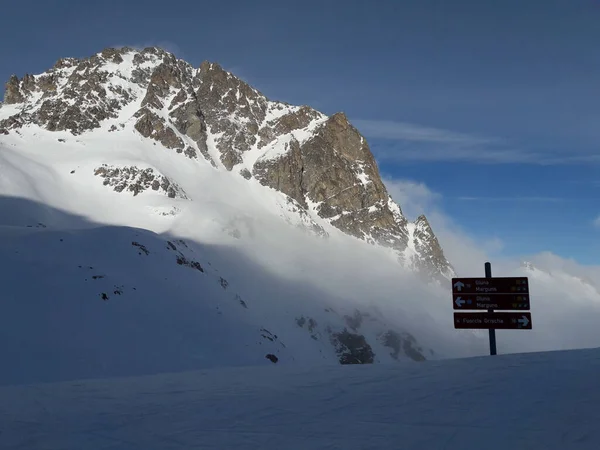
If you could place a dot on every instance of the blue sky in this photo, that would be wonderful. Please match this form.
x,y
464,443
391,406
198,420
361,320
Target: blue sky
x,y
490,108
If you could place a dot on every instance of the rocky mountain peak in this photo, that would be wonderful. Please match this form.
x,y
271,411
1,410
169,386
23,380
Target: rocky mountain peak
x,y
233,110
335,172
422,222
430,260
12,93
323,164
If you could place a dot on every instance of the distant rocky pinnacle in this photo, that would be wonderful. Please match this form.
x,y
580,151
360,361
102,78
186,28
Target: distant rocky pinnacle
x,y
323,163
432,260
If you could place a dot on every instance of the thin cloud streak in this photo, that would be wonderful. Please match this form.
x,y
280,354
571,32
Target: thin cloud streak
x,y
410,142
403,151
411,132
511,199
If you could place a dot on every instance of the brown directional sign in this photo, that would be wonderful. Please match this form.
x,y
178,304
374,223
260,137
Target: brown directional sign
x,y
497,321
496,285
502,302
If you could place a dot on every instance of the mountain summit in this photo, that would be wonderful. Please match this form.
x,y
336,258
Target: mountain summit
x,y
322,164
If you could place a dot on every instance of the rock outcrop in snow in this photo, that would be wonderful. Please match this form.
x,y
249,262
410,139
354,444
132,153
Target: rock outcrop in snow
x,y
136,180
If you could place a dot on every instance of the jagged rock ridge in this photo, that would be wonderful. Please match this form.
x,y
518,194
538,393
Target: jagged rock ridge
x,y
323,163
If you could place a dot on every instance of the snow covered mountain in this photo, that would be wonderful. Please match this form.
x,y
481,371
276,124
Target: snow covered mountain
x,y
322,164
160,216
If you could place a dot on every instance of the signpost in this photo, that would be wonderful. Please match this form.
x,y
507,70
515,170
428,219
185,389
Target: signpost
x,y
489,321
489,294
490,285
502,302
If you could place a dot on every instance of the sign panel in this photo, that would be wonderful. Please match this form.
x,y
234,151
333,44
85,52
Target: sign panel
x,y
502,302
496,321
490,286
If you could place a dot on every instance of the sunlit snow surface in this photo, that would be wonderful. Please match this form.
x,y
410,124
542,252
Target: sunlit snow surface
x,y
536,401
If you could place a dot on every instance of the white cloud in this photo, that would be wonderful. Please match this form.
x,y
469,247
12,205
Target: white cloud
x,y
415,198
597,222
466,255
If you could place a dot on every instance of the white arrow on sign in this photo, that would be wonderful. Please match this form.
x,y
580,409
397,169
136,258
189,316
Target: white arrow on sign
x,y
458,285
459,302
524,321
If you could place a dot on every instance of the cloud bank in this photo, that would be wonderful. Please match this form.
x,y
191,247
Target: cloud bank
x,y
565,295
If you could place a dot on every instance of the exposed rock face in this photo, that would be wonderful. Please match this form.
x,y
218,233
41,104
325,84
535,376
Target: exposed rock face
x,y
153,126
12,93
352,348
336,170
402,343
232,109
349,337
81,104
321,163
171,75
188,119
290,122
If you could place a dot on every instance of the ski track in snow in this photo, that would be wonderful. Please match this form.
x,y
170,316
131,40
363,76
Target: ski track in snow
x,y
535,401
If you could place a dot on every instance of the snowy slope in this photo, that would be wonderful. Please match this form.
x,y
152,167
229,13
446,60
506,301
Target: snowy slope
x,y
82,299
537,401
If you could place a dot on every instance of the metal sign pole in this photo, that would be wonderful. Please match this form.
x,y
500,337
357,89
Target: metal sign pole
x,y
488,274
